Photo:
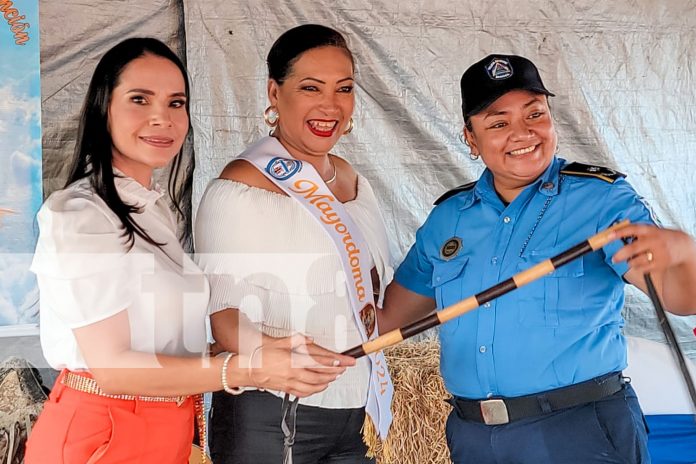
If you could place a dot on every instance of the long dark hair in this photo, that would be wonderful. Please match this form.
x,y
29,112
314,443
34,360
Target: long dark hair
x,y
93,156
294,42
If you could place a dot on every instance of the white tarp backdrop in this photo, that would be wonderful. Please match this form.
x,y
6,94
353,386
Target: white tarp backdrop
x,y
623,72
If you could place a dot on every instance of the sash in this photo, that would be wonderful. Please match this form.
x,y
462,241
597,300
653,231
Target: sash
x,y
302,182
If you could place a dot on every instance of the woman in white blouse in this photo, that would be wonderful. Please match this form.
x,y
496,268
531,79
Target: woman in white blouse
x,y
123,308
271,264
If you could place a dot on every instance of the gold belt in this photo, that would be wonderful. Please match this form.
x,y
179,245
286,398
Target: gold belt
x,y
89,385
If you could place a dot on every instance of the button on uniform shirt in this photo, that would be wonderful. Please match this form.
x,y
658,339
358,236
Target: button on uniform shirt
x,y
559,330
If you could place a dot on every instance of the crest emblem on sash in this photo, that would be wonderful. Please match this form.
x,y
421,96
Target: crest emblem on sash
x,y
367,316
283,168
451,248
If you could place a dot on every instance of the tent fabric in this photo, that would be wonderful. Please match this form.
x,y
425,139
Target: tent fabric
x,y
623,73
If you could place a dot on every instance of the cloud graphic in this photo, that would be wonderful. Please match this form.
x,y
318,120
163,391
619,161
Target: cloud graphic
x,y
23,166
19,297
18,108
20,191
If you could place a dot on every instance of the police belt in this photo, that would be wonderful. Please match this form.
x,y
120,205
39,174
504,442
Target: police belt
x,y
497,411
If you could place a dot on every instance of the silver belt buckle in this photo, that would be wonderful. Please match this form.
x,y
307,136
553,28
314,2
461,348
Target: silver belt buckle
x,y
494,412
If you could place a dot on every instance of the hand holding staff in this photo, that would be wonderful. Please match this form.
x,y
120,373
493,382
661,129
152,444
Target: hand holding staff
x,y
533,273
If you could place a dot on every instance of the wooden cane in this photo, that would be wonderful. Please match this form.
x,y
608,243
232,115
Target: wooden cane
x,y
523,278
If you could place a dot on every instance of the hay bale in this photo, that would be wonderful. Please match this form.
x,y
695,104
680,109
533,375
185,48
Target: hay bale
x,y
417,435
21,401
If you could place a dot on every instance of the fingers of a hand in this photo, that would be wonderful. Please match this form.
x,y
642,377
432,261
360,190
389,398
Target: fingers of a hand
x,y
302,360
302,388
305,390
628,252
634,249
315,378
635,230
642,263
305,376
318,351
327,370
298,341
315,349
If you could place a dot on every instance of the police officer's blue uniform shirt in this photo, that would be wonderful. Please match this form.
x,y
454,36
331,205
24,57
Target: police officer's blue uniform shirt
x,y
559,330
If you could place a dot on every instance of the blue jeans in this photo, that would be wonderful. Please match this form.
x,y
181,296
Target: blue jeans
x,y
611,430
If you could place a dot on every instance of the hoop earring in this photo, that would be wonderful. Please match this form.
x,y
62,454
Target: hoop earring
x,y
271,116
349,129
462,139
473,156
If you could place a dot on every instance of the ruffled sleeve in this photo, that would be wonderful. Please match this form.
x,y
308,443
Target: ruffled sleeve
x,y
81,260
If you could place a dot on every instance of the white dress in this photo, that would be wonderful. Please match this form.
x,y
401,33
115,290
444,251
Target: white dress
x,y
86,274
264,254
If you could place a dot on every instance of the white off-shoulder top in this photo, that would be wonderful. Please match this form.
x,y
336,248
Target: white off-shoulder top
x,y
266,255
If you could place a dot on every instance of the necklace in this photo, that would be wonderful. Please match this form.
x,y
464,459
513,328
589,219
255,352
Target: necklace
x,y
333,177
539,217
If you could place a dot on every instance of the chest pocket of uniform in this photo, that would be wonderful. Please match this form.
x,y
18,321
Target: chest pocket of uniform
x,y
447,282
555,300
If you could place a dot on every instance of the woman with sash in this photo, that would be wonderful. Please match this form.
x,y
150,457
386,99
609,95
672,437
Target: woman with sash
x,y
292,240
123,308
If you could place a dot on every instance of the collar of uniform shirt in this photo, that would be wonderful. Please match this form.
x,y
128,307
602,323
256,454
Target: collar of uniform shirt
x,y
547,183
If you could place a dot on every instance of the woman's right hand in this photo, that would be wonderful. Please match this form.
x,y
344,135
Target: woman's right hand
x,y
295,365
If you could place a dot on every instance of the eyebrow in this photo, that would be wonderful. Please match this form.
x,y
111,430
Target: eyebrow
x,y
150,92
526,105
314,79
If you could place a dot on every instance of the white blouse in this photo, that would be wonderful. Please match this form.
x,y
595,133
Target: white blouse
x,y
86,274
265,254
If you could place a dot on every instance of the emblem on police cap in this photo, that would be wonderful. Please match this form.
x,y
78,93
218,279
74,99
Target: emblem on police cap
x,y
499,69
368,316
451,248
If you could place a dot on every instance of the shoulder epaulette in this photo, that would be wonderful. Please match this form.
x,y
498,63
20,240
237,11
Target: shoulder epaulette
x,y
454,191
600,172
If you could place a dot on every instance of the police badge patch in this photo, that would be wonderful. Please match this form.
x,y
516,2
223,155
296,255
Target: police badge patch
x,y
499,69
451,248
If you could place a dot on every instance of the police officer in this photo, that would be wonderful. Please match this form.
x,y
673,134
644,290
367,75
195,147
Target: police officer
x,y
536,374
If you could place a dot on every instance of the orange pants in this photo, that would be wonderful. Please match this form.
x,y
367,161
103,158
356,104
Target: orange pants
x,y
83,428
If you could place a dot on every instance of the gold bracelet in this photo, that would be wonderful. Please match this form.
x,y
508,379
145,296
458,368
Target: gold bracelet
x,y
225,385
251,363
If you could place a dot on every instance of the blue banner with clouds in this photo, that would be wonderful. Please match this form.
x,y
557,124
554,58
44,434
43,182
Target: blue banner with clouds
x,y
20,159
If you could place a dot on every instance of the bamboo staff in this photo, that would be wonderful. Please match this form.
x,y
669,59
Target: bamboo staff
x,y
523,278
397,335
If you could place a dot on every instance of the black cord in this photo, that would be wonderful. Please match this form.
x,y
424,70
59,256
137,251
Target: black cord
x,y
287,424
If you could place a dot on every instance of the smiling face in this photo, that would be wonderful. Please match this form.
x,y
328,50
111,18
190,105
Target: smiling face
x,y
147,116
315,101
516,139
